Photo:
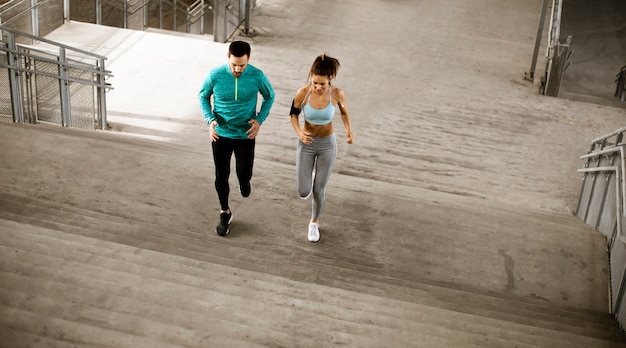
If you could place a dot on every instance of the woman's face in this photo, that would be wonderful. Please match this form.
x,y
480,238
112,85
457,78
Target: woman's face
x,y
319,83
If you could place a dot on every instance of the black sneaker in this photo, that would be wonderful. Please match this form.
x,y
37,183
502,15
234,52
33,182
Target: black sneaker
x,y
225,219
245,188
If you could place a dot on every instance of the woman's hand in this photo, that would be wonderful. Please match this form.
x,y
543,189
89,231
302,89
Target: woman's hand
x,y
349,137
305,137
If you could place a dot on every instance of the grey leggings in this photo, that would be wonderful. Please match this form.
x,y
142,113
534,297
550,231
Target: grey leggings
x,y
314,162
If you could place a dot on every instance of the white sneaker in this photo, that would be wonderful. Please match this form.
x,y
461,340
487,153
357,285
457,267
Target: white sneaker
x,y
314,232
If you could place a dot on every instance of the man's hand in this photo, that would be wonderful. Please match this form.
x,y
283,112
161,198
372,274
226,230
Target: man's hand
x,y
254,129
212,131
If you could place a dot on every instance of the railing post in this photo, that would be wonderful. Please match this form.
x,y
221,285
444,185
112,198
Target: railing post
x,y
219,21
188,21
14,80
202,17
66,11
34,14
145,14
64,89
531,74
101,97
248,14
125,14
175,15
620,89
99,12
160,14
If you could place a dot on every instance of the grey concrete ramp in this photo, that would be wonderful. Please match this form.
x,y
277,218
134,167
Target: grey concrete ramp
x,y
448,222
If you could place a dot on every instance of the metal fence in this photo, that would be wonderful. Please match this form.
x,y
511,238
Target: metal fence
x,y
557,64
51,83
36,17
221,18
558,54
174,15
602,205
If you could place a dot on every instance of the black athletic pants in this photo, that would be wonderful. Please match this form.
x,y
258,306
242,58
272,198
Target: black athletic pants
x,y
223,150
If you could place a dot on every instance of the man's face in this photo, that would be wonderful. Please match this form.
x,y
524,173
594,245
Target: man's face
x,y
237,64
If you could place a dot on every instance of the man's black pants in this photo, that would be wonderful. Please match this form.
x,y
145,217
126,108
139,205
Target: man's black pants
x,y
223,150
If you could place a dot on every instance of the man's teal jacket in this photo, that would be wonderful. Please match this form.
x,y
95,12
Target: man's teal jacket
x,y
234,101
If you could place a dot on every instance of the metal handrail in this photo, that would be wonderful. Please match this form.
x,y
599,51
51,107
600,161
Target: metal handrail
x,y
106,73
622,153
53,43
602,140
97,70
196,10
193,13
5,10
130,4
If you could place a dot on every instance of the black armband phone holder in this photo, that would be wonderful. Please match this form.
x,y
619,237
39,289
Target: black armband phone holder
x,y
294,110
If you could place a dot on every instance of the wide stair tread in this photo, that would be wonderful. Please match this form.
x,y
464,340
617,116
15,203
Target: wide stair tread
x,y
526,317
219,301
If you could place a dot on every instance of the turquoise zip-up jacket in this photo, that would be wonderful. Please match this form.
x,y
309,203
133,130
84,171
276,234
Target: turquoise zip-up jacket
x,y
234,101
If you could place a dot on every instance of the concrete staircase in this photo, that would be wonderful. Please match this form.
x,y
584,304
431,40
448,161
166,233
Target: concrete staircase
x,y
446,224
77,272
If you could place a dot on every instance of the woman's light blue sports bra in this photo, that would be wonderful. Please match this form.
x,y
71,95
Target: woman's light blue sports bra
x,y
318,116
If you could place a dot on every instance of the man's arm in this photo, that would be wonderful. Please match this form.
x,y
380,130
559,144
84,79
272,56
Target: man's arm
x,y
267,92
205,100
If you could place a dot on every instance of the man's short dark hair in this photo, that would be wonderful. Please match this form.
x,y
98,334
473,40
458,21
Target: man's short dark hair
x,y
239,49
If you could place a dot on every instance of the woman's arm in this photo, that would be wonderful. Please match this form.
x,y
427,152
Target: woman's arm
x,y
345,115
295,116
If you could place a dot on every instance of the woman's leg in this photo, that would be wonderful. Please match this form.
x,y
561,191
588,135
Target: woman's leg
x,y
326,154
305,161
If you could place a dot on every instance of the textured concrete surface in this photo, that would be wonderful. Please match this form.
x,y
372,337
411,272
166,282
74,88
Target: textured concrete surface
x,y
439,106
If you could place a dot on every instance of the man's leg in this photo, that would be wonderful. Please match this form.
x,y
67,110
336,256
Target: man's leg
x,y
244,157
222,153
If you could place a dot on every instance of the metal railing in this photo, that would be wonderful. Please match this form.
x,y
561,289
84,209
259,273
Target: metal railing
x,y
557,54
37,17
620,89
602,205
52,83
221,18
228,15
174,15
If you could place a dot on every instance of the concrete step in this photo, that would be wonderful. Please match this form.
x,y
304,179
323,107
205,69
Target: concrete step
x,y
350,265
526,319
98,288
